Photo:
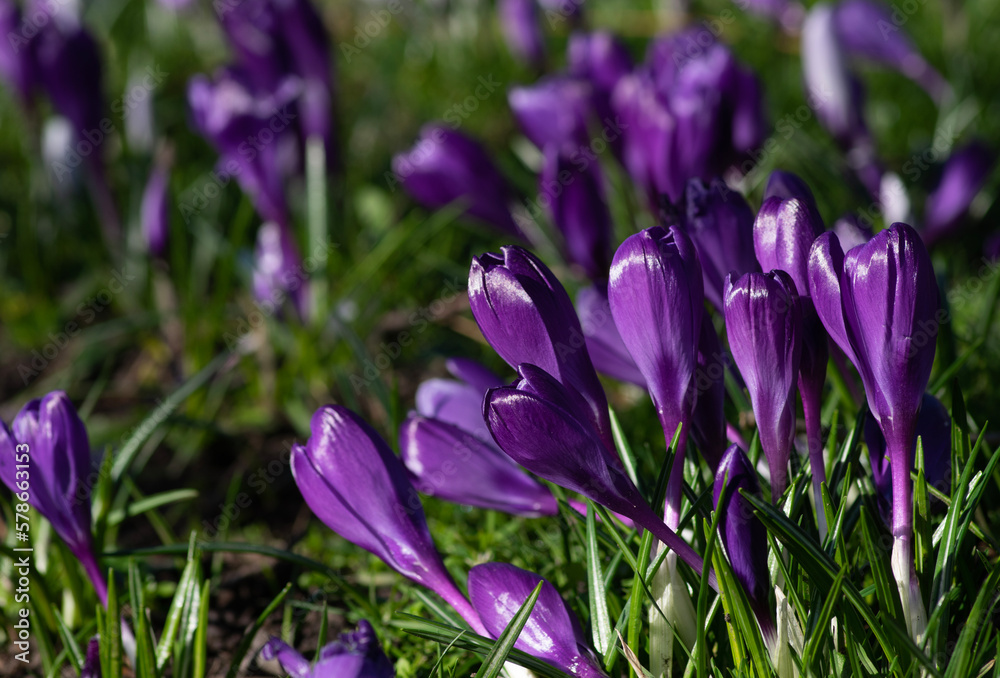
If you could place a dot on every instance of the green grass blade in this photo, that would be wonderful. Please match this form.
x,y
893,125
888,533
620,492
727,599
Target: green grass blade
x,y
244,646
493,664
600,618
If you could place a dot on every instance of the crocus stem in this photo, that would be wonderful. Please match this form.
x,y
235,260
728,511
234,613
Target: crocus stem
x,y
675,484
811,411
95,574
644,517
734,436
903,568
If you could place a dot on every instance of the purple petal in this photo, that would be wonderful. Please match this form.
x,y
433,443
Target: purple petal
x,y
598,57
826,268
764,324
92,662
521,25
851,233
829,83
278,270
155,211
445,165
604,343
555,111
657,298
354,654
474,374
708,420
498,590
451,464
962,177
783,234
290,660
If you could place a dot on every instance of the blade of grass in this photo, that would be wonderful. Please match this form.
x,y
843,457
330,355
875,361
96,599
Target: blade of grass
x,y
244,645
493,664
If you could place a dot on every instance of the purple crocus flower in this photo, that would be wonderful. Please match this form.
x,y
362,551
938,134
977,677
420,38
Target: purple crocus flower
x,y
278,271
555,111
544,426
868,29
552,632
720,223
527,317
934,430
155,210
251,133
604,343
743,535
708,419
445,166
786,186
880,305
657,298
49,444
764,324
354,654
459,401
788,13
92,661
521,25
355,484
598,57
449,463
275,39
783,234
962,176
574,197
851,232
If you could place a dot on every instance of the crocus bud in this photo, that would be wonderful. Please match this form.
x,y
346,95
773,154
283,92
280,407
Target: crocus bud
x,y
574,198
451,464
934,430
231,115
708,420
962,176
786,186
278,270
527,317
544,427
880,304
155,210
445,166
355,484
868,29
598,57
764,324
657,298
604,343
554,111
720,224
743,535
49,447
354,654
552,632
521,26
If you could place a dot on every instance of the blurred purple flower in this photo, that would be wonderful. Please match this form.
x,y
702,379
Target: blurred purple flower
x,y
17,65
552,632
49,449
355,484
92,661
459,402
527,317
598,57
355,654
743,535
555,111
851,232
604,343
521,26
962,176
278,270
574,198
445,166
155,210
764,324
867,28
720,223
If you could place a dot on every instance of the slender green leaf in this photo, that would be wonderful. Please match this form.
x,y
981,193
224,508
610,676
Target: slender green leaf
x,y
600,619
493,664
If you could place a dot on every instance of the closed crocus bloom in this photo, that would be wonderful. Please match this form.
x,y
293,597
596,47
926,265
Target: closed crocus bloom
x,y
720,224
786,186
869,29
783,233
49,449
521,25
574,198
598,57
743,535
451,464
445,166
355,484
962,176
355,654
527,317
155,210
934,430
604,343
880,304
552,632
278,272
544,427
555,111
459,402
764,324
657,299
230,115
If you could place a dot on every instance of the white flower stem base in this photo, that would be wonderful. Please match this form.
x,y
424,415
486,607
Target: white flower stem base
x,y
909,589
674,600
